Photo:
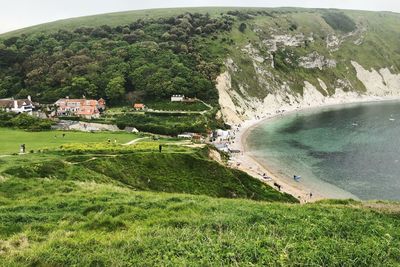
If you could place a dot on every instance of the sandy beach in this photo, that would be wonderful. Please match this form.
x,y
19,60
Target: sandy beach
x,y
246,162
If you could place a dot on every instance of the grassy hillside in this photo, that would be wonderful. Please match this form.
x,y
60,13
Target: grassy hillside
x,y
184,50
178,169
48,222
297,46
121,18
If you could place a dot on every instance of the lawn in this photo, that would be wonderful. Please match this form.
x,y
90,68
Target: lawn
x,y
10,139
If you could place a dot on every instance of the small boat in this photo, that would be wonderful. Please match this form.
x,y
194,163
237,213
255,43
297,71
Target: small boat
x,y
392,119
355,124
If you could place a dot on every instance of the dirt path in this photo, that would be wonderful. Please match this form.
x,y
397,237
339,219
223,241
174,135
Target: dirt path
x,y
134,141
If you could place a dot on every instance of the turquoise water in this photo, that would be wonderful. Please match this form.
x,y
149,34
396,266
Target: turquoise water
x,y
347,151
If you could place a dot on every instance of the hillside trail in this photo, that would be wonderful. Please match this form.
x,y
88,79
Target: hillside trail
x,y
134,141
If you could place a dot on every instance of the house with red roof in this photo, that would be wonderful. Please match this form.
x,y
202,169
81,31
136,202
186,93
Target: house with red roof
x,y
86,108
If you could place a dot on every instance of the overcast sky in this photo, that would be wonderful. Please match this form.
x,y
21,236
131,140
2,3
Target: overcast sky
x,y
15,14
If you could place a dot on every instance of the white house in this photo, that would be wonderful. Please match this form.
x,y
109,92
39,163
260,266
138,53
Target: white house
x,y
17,105
177,98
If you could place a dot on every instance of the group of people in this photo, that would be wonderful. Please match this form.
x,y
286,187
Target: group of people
x,y
63,135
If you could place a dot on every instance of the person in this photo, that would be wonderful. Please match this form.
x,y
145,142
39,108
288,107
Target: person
x,y
109,140
160,148
115,141
63,135
22,148
310,195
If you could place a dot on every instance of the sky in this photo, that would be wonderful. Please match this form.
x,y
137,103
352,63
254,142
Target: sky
x,y
16,14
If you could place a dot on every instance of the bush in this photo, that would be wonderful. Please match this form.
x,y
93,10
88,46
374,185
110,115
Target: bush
x,y
339,21
242,27
27,122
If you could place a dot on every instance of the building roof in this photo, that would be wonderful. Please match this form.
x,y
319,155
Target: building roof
x,y
138,105
9,103
88,110
5,103
82,102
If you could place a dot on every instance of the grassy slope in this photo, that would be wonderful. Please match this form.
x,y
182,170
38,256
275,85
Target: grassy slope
x,y
64,223
11,139
115,19
176,170
379,49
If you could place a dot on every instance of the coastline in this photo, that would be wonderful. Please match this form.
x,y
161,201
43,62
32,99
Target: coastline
x,y
244,161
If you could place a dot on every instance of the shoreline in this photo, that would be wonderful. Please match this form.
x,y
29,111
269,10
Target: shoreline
x,y
249,164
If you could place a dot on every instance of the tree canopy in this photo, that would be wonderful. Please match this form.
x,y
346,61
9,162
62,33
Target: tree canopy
x,y
151,58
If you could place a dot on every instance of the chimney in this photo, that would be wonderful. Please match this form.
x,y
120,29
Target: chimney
x,y
15,104
67,97
29,98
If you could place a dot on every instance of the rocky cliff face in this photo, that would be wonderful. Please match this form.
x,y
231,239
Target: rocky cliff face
x,y
275,70
236,108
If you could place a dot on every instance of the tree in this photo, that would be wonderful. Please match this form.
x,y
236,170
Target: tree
x,y
82,87
116,89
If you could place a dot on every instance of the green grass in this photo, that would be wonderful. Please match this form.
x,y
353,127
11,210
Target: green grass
x,y
176,106
177,169
66,223
121,18
11,139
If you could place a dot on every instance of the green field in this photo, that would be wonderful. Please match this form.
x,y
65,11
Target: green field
x,y
10,140
50,222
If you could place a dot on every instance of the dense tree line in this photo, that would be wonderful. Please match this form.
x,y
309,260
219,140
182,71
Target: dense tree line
x,y
24,121
147,59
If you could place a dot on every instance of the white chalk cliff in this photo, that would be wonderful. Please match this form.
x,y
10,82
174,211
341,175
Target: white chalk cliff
x,y
236,108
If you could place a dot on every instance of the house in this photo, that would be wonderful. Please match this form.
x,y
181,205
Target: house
x,y
17,105
131,129
87,108
185,136
101,104
177,98
139,106
88,112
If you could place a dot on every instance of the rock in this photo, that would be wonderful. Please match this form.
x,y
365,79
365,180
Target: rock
x,y
314,60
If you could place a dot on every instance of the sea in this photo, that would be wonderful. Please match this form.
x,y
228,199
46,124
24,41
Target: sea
x,y
347,151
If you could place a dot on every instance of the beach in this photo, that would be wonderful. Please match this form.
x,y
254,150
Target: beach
x,y
260,170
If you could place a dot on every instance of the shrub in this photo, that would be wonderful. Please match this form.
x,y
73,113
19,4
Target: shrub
x,y
242,27
339,21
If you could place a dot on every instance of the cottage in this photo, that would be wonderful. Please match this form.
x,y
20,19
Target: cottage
x,y
17,105
185,136
87,108
177,98
131,130
139,106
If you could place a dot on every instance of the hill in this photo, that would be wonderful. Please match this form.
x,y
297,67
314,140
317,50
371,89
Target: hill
x,y
50,222
298,55
140,166
97,203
